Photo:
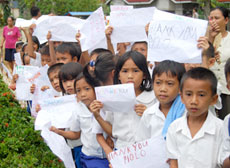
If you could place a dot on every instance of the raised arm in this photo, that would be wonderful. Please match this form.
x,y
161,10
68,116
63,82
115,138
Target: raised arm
x,y
51,48
31,52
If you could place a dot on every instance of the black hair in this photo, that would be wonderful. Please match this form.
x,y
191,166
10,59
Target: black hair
x,y
100,50
195,9
73,49
12,18
34,11
23,58
227,68
19,44
223,10
169,67
139,42
36,41
203,74
43,44
140,61
210,52
24,47
69,72
45,50
54,67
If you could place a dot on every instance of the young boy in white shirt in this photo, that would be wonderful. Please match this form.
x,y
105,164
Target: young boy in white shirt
x,y
224,157
193,141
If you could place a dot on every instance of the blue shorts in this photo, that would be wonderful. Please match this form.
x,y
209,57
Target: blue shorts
x,y
9,54
76,155
93,162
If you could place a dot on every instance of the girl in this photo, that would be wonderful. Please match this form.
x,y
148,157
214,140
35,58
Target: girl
x,y
67,74
92,155
131,68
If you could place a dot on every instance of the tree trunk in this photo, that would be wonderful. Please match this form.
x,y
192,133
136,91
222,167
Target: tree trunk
x,y
207,7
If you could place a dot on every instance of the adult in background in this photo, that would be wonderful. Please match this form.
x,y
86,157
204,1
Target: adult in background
x,y
10,36
35,13
220,37
194,13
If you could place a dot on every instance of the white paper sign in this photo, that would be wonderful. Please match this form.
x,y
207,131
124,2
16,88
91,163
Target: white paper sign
x,y
129,26
59,147
117,98
120,8
23,22
93,31
7,71
26,77
175,38
17,57
146,154
59,111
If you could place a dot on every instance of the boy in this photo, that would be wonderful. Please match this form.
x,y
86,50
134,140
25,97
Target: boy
x,y
194,139
156,119
68,52
53,72
45,56
225,146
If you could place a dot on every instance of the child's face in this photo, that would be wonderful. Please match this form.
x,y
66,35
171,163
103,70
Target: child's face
x,y
54,80
141,48
56,43
35,46
228,81
27,60
19,49
64,58
166,88
130,73
85,92
68,85
46,60
197,96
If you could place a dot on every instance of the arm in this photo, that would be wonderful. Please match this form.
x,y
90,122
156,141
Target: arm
x,y
51,48
24,31
101,140
66,134
95,107
108,33
173,163
31,52
226,163
3,40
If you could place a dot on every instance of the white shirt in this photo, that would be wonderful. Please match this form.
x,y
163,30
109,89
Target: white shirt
x,y
202,150
225,146
88,138
151,123
124,125
218,69
37,61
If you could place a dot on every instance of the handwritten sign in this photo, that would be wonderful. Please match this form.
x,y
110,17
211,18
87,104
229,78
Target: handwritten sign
x,y
175,38
129,25
146,154
26,77
93,31
120,8
55,111
117,98
17,57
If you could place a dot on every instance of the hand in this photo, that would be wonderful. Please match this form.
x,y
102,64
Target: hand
x,y
217,57
95,108
203,43
31,28
22,29
78,36
54,129
32,88
214,28
108,32
147,28
140,108
37,108
49,35
43,88
110,142
15,78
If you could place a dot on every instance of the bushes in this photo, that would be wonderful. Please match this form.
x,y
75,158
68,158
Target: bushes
x,y
20,145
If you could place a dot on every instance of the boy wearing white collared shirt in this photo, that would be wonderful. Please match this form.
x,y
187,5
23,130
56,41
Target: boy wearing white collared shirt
x,y
193,141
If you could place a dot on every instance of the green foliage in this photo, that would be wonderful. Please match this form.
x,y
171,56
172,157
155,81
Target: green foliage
x,y
20,145
60,7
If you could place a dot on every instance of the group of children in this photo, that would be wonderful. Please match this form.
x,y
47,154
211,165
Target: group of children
x,y
172,103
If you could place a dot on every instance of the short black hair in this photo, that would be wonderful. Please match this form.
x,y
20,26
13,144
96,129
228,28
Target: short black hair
x,y
12,18
200,73
224,11
19,44
139,42
100,50
227,68
210,52
168,66
34,11
54,67
36,41
73,49
45,50
69,71
140,61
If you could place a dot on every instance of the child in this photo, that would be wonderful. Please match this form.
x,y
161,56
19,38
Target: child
x,y
225,146
53,72
131,67
92,155
194,139
67,75
141,47
67,52
45,56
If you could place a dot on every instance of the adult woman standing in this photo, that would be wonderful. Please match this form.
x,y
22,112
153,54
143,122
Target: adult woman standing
x,y
220,37
10,36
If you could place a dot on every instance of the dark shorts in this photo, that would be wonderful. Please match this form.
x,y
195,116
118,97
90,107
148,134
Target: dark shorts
x,y
9,54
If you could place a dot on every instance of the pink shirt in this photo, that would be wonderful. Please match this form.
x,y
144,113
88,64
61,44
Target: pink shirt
x,y
11,36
